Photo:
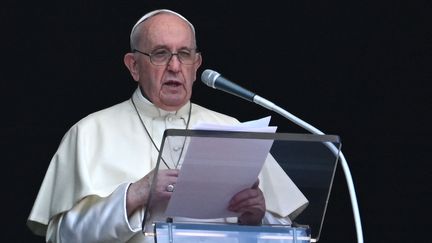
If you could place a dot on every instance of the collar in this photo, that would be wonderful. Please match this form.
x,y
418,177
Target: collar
x,y
148,109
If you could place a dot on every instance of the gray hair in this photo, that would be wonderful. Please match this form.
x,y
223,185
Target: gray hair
x,y
133,37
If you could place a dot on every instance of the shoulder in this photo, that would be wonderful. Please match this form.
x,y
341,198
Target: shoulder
x,y
115,111
103,119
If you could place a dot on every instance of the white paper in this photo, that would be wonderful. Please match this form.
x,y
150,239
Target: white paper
x,y
251,126
215,169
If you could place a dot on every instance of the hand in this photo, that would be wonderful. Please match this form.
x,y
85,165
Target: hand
x,y
164,178
251,204
138,192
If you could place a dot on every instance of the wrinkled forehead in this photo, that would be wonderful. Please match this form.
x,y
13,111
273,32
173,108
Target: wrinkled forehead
x,y
158,11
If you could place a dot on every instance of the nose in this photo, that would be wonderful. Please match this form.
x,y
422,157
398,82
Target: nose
x,y
174,63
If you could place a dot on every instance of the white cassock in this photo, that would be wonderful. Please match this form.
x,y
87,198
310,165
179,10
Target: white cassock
x,y
83,195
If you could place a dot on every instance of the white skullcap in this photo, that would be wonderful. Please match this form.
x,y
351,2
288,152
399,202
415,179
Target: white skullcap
x,y
154,12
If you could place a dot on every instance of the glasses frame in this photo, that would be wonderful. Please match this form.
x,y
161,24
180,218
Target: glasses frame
x,y
169,59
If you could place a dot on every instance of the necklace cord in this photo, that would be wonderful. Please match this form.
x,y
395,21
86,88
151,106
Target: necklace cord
x,y
151,139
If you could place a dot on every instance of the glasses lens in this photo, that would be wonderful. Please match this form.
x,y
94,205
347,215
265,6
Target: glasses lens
x,y
163,56
160,57
187,57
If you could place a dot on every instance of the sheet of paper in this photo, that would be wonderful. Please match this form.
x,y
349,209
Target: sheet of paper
x,y
255,125
215,169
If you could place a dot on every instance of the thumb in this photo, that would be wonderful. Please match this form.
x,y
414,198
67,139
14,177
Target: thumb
x,y
255,185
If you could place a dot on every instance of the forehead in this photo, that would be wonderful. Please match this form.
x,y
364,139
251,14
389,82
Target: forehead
x,y
166,30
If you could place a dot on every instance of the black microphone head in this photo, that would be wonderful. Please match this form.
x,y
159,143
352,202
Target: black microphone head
x,y
209,77
216,81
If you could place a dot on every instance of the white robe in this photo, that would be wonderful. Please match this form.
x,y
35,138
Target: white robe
x,y
103,153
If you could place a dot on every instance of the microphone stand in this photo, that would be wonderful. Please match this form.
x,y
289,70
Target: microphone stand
x,y
271,106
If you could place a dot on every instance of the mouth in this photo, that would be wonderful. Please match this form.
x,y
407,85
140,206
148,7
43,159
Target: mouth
x,y
172,83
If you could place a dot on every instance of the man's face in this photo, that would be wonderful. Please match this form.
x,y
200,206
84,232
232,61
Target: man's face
x,y
168,86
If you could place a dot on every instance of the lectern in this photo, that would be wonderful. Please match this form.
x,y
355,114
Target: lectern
x,y
309,160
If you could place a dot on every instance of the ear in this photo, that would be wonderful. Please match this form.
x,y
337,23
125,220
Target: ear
x,y
197,65
131,64
199,62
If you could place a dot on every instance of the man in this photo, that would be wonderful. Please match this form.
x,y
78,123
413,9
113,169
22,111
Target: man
x,y
98,182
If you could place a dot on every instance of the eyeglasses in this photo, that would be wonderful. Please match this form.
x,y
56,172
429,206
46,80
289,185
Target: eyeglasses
x,y
161,57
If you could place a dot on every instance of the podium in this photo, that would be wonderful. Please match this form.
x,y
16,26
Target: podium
x,y
309,160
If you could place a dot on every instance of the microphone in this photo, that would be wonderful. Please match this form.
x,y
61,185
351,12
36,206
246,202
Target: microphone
x,y
215,80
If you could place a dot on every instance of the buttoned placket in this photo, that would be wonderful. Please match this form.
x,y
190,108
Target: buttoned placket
x,y
174,143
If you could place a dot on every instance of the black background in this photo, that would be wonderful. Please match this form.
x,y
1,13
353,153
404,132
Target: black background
x,y
358,69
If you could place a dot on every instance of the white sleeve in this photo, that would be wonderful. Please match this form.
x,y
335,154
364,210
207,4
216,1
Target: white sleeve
x,y
96,219
270,218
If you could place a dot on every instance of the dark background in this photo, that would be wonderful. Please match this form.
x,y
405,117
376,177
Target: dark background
x,y
357,69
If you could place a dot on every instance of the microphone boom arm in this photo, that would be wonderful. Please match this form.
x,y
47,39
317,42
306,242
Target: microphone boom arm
x,y
271,106
215,80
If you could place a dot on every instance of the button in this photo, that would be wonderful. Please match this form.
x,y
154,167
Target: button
x,y
177,148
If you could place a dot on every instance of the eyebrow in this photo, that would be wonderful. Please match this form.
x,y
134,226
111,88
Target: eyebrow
x,y
158,47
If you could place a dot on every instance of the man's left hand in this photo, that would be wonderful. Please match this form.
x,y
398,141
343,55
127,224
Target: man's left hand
x,y
251,204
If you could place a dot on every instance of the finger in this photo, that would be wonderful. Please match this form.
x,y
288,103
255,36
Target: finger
x,y
247,205
252,212
256,184
245,195
246,199
253,217
169,172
